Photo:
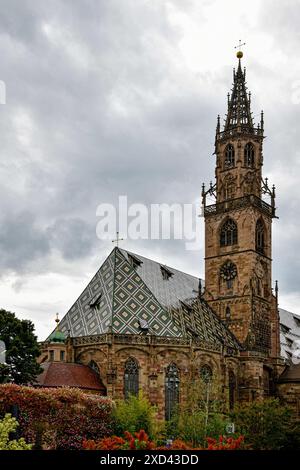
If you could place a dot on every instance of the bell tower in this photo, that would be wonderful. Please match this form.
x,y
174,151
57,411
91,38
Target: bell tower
x,y
238,225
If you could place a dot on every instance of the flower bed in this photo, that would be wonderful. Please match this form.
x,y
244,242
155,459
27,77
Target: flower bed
x,y
141,441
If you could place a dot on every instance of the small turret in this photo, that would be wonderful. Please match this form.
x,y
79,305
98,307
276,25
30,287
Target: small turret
x,y
57,336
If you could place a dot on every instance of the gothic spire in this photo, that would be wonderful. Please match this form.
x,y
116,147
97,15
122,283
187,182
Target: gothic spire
x,y
239,115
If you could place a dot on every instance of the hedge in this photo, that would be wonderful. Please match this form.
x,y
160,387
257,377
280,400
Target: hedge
x,y
57,418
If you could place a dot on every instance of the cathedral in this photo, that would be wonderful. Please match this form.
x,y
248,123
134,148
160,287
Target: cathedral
x,y
141,325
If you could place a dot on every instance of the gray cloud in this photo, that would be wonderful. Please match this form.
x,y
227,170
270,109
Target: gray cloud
x,y
101,102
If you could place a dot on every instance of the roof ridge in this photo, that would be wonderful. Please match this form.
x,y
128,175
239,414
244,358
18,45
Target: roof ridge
x,y
160,264
114,286
77,299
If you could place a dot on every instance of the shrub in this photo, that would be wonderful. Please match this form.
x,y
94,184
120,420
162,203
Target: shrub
x,y
267,425
57,418
225,443
134,414
107,443
139,441
9,425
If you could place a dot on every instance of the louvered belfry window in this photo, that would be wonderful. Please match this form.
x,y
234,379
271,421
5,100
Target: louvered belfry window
x,y
249,155
229,156
131,377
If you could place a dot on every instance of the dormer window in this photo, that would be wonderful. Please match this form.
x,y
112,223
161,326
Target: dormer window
x,y
166,273
143,324
95,302
285,329
134,261
297,321
289,354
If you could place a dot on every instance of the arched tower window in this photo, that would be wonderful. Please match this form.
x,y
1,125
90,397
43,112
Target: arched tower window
x,y
260,236
131,377
229,156
232,389
172,383
206,373
249,155
229,233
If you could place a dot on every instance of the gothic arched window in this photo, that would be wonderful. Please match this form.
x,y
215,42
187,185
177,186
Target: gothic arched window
x,y
172,383
232,387
206,373
260,236
229,156
229,233
131,377
249,155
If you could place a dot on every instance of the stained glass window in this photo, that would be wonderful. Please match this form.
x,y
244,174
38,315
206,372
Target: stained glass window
x,y
131,377
206,373
172,383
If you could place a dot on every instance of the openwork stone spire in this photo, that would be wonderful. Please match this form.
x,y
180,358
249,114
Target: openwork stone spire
x,y
239,115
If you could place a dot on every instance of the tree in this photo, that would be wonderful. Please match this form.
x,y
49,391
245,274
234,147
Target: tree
x,y
22,349
267,425
201,415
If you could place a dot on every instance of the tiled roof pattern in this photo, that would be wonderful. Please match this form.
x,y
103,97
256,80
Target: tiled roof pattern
x,y
179,287
289,333
133,293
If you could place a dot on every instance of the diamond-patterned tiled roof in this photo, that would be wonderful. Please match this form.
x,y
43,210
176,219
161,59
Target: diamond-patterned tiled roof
x,y
131,294
289,333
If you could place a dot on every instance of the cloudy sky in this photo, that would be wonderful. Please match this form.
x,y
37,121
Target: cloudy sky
x,y
120,97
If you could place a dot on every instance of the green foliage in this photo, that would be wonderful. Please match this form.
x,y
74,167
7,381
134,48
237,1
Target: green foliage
x,y
134,414
7,426
201,416
267,425
22,349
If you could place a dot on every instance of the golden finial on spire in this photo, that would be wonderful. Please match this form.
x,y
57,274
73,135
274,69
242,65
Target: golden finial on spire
x,y
57,320
239,53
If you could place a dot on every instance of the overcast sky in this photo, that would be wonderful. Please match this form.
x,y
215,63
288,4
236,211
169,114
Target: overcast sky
x,y
120,97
